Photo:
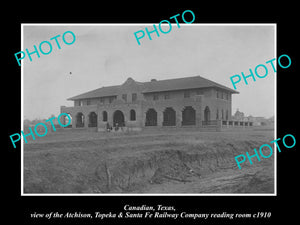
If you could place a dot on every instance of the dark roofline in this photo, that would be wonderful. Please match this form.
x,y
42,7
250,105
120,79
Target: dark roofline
x,y
181,89
78,97
214,84
221,86
226,88
111,90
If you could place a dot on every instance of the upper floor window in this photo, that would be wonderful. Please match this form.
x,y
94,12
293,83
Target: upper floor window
x,y
134,97
110,99
222,95
155,96
101,100
186,94
124,97
88,102
199,92
167,95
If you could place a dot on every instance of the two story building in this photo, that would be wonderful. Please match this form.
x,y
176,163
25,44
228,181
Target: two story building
x,y
190,101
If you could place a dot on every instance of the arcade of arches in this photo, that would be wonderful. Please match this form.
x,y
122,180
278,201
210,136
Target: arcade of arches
x,y
169,115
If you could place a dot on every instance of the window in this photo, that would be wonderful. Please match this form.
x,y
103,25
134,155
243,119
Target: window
x,y
155,96
186,94
167,95
88,102
217,116
132,115
80,103
104,116
226,96
111,99
101,100
134,97
217,94
199,92
124,97
206,114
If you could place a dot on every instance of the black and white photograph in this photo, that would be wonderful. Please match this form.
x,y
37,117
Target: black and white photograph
x,y
150,114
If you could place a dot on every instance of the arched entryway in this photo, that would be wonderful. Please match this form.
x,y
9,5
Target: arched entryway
x,y
118,118
169,117
79,119
93,119
188,116
206,114
151,118
65,120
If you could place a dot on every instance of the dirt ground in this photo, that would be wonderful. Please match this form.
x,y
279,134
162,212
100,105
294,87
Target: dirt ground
x,y
151,161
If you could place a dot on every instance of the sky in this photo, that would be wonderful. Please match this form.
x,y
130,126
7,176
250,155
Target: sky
x,y
106,54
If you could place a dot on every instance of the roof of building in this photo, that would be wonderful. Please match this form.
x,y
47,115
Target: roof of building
x,y
156,86
181,84
99,92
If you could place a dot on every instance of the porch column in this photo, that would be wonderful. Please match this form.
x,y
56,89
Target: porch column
x,y
160,117
86,120
73,120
